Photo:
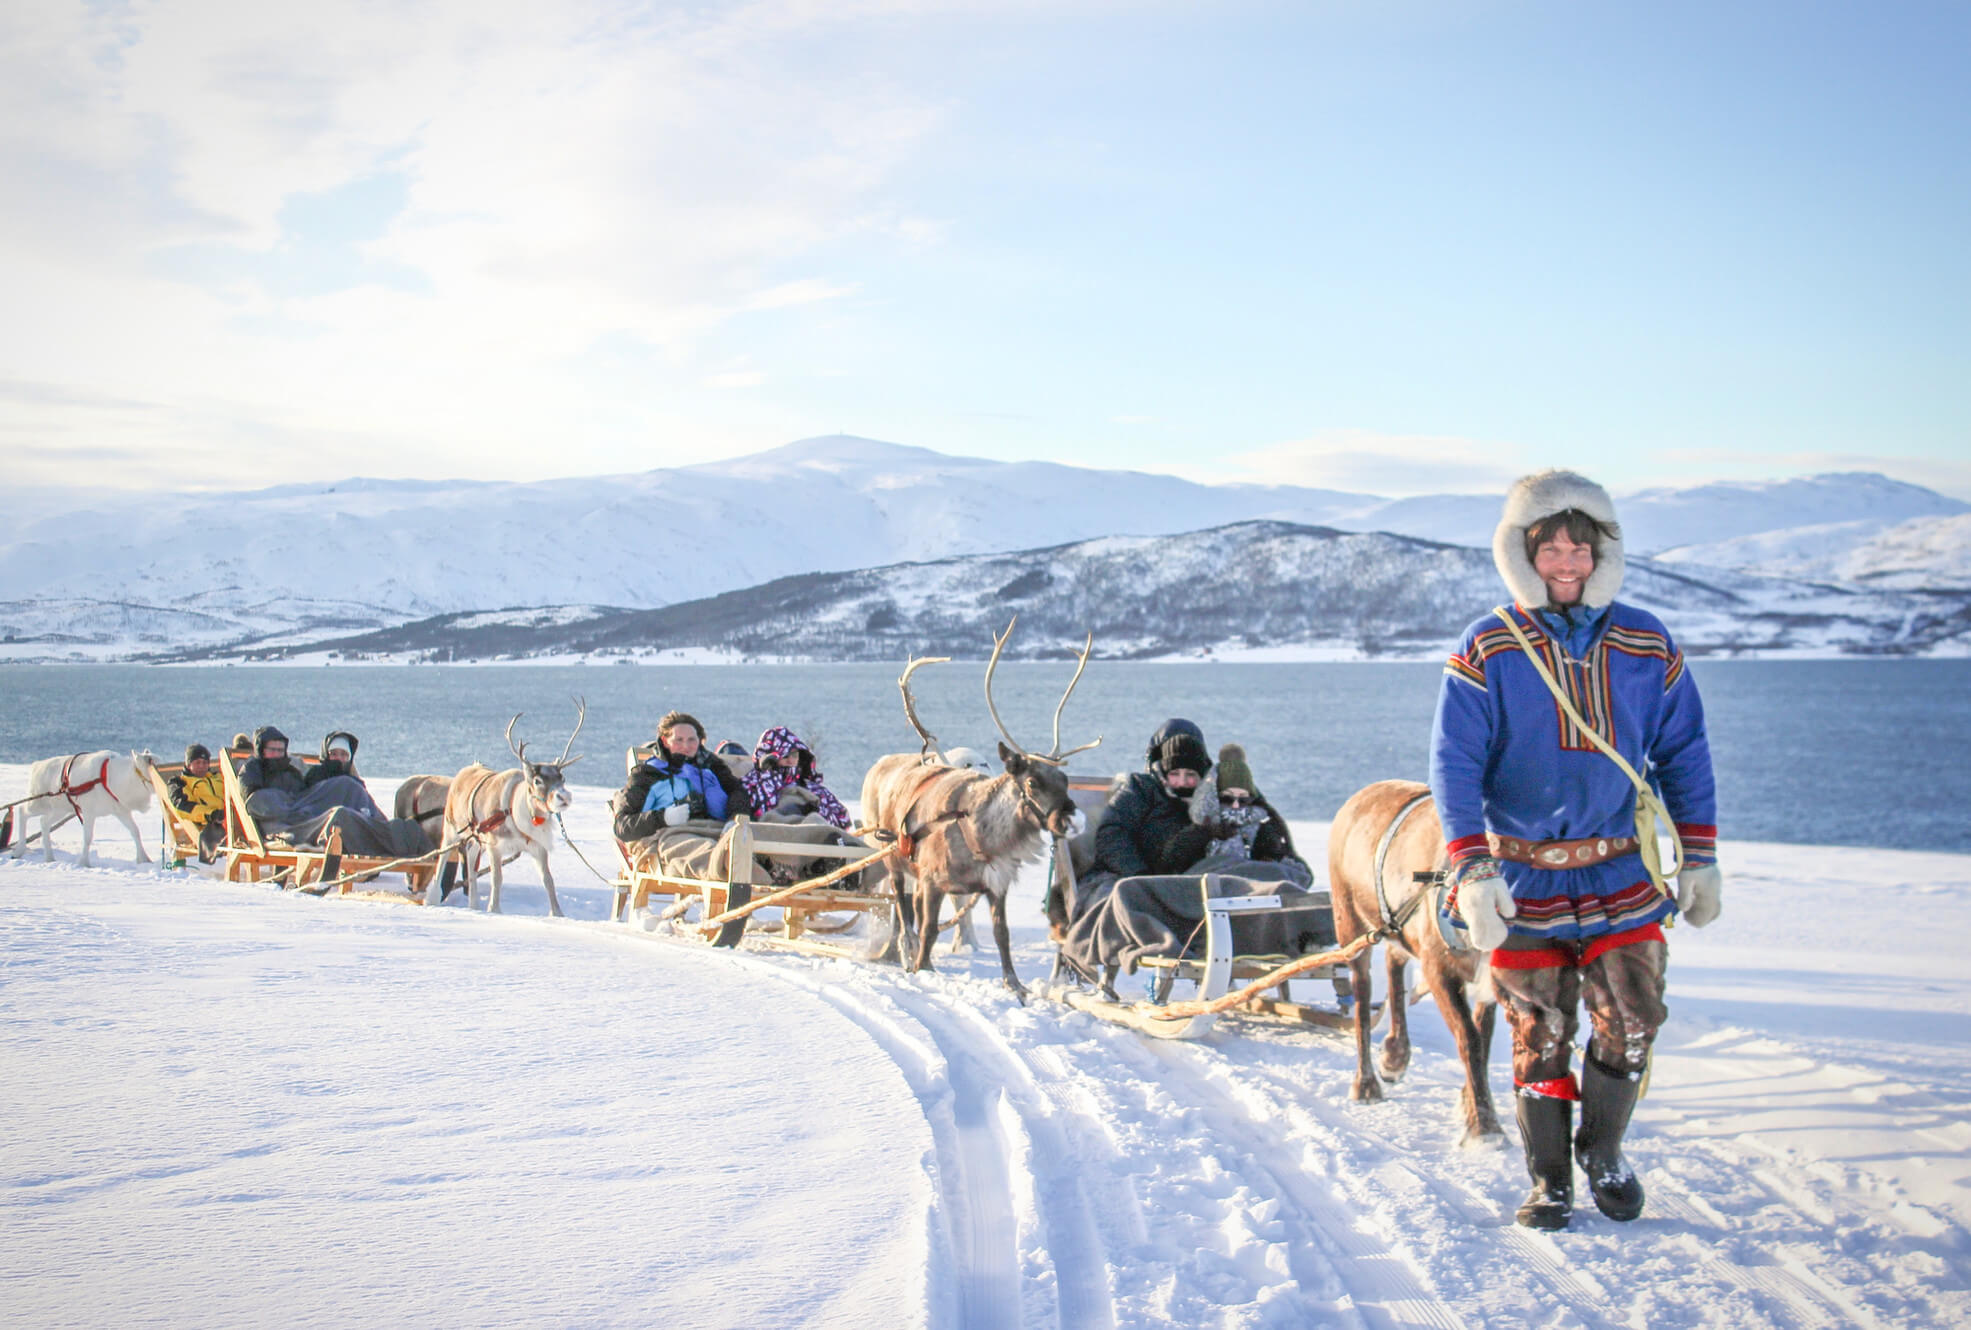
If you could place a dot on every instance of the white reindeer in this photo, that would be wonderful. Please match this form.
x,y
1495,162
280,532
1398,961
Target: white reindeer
x,y
88,786
504,814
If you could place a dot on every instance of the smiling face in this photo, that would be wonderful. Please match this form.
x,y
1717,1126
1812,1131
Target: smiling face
x,y
682,739
1563,565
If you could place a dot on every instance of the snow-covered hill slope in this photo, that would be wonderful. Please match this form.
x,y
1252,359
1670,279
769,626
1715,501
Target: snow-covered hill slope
x,y
109,574
1922,552
1252,588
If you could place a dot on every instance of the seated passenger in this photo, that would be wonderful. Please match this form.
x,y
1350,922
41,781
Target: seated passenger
x,y
1163,832
338,758
683,781
1245,829
785,784
283,800
673,813
198,793
1146,826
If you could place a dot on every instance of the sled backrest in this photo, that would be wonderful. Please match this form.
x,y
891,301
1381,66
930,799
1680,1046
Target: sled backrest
x,y
180,832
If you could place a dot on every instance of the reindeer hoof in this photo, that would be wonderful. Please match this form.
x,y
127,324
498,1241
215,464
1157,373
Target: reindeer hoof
x,y
1366,1091
1018,990
1482,1138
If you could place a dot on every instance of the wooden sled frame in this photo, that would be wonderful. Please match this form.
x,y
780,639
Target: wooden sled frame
x,y
1218,971
178,837
247,852
637,883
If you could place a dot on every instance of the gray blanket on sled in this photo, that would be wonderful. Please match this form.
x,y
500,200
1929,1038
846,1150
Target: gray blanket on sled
x,y
341,801
701,850
1119,923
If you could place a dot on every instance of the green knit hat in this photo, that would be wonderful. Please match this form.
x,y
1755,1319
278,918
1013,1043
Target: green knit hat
x,y
1234,773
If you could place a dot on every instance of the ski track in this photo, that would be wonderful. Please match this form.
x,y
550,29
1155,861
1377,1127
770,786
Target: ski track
x,y
1089,1177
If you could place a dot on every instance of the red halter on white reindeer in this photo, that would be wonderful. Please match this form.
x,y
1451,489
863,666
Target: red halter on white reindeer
x,y
503,814
86,786
961,832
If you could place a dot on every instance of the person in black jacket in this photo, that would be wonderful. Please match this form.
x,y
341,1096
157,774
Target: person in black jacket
x,y
338,758
1147,826
684,782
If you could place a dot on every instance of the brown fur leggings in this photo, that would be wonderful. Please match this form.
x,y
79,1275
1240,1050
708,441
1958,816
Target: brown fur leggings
x,y
1622,987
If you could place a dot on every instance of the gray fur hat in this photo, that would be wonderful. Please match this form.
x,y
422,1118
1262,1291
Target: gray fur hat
x,y
1531,500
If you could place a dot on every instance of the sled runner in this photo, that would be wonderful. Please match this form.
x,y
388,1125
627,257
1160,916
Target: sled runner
x,y
249,853
1211,966
810,908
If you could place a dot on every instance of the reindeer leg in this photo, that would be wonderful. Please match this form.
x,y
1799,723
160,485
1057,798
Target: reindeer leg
x,y
547,880
1484,1013
930,900
1396,1044
1367,1087
88,835
136,837
1003,936
470,854
1449,990
493,857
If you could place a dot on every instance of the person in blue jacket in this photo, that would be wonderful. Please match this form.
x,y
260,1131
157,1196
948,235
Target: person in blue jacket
x,y
682,782
1540,831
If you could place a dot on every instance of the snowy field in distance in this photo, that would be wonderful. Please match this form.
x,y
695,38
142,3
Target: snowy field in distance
x,y
228,1106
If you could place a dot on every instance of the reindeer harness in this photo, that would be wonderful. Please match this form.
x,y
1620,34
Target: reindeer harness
x,y
69,791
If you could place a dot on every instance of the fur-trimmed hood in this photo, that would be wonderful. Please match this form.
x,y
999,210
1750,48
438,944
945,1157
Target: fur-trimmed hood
x,y
1539,496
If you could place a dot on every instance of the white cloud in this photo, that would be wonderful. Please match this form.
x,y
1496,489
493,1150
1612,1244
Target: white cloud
x,y
1394,464
573,175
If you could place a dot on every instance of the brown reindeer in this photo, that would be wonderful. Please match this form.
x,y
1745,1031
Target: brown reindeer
x,y
1383,837
503,814
962,832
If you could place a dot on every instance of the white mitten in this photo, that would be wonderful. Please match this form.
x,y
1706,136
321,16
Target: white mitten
x,y
677,815
1485,903
1700,892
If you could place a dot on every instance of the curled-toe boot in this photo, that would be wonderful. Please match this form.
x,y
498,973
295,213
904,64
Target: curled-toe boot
x,y
1607,1099
1547,1124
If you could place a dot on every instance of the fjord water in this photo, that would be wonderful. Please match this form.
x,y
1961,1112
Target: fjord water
x,y
1808,752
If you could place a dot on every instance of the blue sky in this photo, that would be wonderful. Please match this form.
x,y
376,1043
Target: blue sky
x,y
1398,247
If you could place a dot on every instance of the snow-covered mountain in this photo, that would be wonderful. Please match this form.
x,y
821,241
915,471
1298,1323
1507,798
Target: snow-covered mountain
x,y
1245,590
113,574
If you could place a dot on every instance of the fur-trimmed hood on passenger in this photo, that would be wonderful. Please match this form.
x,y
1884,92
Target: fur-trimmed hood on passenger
x,y
1539,496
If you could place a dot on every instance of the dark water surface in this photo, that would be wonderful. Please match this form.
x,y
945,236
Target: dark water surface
x,y
1812,752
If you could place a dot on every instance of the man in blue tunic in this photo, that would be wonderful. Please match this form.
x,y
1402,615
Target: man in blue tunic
x,y
1540,827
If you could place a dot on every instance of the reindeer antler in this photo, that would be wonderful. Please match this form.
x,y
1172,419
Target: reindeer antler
x,y
910,703
1080,665
520,752
1056,757
999,645
581,715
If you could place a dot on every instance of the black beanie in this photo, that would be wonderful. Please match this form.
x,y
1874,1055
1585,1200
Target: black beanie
x,y
1185,751
193,752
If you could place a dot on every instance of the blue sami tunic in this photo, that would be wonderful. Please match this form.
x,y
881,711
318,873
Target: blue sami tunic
x,y
1504,759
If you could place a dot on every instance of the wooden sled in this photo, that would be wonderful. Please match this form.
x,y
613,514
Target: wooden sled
x,y
248,853
1218,972
724,905
806,907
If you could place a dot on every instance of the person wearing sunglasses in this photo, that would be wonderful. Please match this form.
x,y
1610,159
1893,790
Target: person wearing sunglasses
x,y
1242,825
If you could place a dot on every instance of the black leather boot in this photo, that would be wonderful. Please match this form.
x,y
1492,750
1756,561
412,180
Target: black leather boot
x,y
1607,1099
1547,1124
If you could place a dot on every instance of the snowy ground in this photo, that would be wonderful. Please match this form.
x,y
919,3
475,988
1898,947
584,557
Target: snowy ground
x,y
225,1105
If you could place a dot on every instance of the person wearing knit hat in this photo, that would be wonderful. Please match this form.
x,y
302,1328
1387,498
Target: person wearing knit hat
x,y
197,793
1243,825
1146,826
1546,873
683,781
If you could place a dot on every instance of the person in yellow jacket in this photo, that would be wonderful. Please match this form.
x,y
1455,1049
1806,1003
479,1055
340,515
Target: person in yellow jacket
x,y
197,793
